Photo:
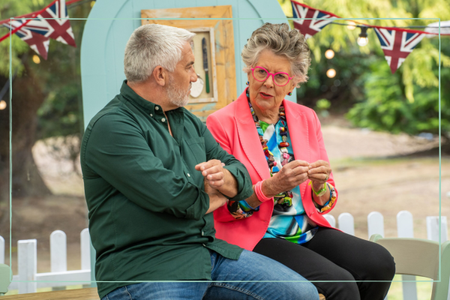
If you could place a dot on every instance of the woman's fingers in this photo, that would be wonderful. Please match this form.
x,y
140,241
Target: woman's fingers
x,y
319,171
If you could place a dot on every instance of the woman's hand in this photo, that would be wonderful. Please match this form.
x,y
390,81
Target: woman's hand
x,y
291,175
318,173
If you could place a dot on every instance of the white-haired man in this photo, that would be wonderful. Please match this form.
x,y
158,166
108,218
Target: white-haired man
x,y
153,174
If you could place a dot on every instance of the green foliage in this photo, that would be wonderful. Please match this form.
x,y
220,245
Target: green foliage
x,y
10,9
387,107
59,76
406,101
323,104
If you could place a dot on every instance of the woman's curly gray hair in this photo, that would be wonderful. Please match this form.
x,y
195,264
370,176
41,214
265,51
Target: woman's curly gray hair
x,y
283,41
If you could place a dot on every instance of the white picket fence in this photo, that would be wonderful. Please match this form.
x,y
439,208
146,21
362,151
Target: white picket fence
x,y
28,280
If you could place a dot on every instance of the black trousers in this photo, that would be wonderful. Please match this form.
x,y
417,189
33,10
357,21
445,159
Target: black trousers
x,y
362,270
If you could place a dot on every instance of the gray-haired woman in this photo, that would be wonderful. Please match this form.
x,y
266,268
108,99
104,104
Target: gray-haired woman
x,y
281,145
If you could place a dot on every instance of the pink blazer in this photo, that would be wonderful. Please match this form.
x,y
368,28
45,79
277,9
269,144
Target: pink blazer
x,y
234,129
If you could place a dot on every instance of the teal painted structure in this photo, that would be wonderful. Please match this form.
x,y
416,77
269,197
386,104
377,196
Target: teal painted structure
x,y
110,24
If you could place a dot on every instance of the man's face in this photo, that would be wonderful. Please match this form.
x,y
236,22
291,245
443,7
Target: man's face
x,y
180,81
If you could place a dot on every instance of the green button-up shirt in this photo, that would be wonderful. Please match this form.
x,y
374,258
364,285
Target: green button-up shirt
x,y
146,201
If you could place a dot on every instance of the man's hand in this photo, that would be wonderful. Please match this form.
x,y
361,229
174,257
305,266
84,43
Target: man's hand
x,y
218,177
216,199
213,173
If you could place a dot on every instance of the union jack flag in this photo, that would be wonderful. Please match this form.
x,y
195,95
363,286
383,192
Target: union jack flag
x,y
53,23
397,45
317,19
36,41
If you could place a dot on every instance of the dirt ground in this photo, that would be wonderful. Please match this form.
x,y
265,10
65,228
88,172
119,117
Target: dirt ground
x,y
373,172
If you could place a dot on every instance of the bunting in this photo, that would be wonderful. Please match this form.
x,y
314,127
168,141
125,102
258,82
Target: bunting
x,y
52,22
36,41
396,43
310,21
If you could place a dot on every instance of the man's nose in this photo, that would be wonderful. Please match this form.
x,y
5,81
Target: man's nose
x,y
194,76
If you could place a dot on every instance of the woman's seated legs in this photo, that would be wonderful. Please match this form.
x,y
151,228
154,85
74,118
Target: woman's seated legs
x,y
334,255
365,260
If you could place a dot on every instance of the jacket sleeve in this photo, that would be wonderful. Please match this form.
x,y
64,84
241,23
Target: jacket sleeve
x,y
214,150
214,125
322,156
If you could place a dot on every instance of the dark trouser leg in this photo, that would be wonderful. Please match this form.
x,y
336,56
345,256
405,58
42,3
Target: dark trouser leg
x,y
313,267
333,255
369,263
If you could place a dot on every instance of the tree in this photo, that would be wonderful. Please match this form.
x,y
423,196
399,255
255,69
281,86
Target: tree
x,y
387,106
41,101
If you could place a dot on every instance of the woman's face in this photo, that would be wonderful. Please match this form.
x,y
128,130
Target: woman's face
x,y
266,95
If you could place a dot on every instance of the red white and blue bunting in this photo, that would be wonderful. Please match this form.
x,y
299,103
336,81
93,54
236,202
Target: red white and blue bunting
x,y
317,19
397,43
37,28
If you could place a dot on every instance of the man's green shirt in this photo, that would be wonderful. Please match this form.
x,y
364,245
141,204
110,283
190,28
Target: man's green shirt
x,y
146,201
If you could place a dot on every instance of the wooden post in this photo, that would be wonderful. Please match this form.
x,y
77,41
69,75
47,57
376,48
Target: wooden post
x,y
27,252
433,229
58,254
405,229
85,243
330,220
346,223
375,223
2,250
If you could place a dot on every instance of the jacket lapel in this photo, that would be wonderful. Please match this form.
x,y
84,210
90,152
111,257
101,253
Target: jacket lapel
x,y
249,138
298,131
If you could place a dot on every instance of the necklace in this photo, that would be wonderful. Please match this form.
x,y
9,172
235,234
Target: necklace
x,y
283,198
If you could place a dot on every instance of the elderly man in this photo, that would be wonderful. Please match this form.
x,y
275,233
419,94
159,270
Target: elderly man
x,y
153,174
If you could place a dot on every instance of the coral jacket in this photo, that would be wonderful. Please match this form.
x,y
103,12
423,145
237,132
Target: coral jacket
x,y
234,129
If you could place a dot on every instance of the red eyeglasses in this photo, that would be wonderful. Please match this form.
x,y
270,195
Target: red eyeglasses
x,y
261,74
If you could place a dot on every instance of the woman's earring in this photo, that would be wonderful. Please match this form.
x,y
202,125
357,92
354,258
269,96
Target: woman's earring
x,y
247,83
290,94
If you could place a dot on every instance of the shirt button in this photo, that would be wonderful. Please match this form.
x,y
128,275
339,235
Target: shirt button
x,y
204,245
188,175
151,115
156,107
203,233
163,119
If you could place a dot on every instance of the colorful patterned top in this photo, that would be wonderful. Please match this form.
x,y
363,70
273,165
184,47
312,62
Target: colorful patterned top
x,y
289,220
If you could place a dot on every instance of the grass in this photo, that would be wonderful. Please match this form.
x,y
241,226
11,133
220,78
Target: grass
x,y
424,287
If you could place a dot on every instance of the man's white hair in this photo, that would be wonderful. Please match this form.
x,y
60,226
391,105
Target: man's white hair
x,y
153,45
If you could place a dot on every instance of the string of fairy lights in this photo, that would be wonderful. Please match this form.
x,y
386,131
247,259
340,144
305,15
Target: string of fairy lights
x,y
363,38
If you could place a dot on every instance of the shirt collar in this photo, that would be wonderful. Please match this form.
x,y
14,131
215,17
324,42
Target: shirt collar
x,y
130,95
147,106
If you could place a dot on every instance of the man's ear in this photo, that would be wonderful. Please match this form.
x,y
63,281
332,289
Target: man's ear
x,y
160,75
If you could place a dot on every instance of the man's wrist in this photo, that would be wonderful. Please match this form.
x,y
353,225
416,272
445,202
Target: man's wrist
x,y
230,186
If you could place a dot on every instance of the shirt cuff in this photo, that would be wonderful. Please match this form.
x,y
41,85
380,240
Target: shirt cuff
x,y
200,206
244,183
